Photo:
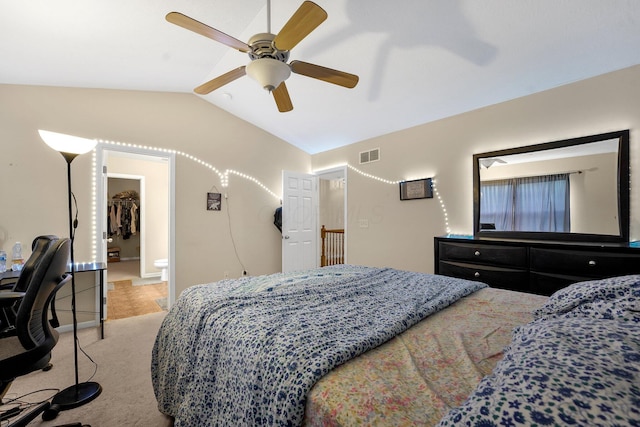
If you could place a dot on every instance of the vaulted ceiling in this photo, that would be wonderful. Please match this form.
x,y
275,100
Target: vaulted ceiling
x,y
418,60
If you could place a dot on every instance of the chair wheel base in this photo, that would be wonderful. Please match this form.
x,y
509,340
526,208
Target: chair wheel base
x,y
50,413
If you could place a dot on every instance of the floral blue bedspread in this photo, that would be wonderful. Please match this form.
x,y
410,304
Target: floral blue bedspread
x,y
576,364
247,351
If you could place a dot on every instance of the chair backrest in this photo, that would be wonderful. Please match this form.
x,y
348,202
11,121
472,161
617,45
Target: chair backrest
x,y
39,248
32,322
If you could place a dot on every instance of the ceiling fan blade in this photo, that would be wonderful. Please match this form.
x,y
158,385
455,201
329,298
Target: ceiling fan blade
x,y
220,81
281,96
198,27
306,19
336,77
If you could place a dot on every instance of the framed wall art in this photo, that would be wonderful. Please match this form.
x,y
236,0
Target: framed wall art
x,y
214,201
416,189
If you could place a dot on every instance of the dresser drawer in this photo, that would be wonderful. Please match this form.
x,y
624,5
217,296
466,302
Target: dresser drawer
x,y
507,256
497,277
588,264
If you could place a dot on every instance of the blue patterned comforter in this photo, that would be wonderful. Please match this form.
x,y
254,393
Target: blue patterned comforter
x,y
247,351
577,363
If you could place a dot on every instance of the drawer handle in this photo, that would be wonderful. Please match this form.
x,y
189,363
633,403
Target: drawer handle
x,y
477,253
476,274
592,263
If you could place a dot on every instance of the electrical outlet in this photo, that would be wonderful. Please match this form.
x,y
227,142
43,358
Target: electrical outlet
x,y
226,274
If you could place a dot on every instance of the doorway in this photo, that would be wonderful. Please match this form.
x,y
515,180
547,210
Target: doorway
x,y
128,293
304,210
333,201
144,178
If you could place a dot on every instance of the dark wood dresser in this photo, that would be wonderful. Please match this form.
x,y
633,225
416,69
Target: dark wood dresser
x,y
537,267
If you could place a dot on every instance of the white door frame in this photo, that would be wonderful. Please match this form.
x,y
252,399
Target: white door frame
x,y
101,207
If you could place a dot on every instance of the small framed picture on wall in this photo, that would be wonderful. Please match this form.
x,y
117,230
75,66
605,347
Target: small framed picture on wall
x,y
214,201
416,189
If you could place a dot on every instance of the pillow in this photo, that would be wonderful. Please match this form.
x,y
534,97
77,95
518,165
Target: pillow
x,y
612,298
575,371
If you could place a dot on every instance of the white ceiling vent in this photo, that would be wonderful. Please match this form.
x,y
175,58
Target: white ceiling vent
x,y
370,156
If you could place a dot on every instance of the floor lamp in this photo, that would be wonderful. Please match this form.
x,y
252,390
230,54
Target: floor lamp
x,y
79,393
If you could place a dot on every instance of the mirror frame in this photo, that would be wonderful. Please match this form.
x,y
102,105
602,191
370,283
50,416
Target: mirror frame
x,y
623,192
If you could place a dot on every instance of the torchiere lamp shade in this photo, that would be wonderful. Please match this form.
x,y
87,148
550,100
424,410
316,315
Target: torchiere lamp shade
x,y
64,143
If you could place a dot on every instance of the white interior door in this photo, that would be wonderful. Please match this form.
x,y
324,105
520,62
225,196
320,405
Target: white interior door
x,y
299,221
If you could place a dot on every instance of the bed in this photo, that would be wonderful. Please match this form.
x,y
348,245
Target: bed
x,y
349,345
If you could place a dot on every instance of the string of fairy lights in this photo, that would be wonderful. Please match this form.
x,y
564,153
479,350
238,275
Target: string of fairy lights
x,y
434,186
225,176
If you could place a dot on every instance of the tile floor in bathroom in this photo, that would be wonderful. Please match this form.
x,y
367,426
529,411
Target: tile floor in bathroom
x,y
128,295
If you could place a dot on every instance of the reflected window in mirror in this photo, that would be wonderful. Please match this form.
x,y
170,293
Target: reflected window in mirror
x,y
575,189
534,203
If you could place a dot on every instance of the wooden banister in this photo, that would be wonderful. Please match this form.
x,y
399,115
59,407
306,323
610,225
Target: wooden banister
x,y
332,251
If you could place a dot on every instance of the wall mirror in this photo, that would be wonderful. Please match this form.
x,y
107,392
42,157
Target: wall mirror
x,y
570,190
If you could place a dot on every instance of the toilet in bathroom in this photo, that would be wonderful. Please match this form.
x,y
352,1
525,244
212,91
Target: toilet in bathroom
x,y
164,265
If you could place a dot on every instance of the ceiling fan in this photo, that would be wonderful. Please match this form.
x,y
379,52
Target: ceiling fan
x,y
490,161
269,54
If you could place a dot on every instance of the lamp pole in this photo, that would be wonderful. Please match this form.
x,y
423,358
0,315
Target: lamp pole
x,y
79,393
69,158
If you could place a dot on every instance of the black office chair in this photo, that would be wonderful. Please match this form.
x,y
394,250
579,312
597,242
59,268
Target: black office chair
x,y
10,302
30,349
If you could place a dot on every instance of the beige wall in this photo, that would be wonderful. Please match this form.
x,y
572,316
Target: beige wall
x,y
33,177
331,203
400,234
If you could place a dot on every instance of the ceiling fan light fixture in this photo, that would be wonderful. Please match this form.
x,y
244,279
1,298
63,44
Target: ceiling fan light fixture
x,y
268,72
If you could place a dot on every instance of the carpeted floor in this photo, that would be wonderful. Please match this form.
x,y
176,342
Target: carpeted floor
x,y
123,361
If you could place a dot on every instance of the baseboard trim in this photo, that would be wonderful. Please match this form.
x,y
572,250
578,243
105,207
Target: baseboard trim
x,y
81,325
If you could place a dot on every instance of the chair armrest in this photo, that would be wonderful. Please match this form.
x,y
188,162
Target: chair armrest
x,y
7,286
9,297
